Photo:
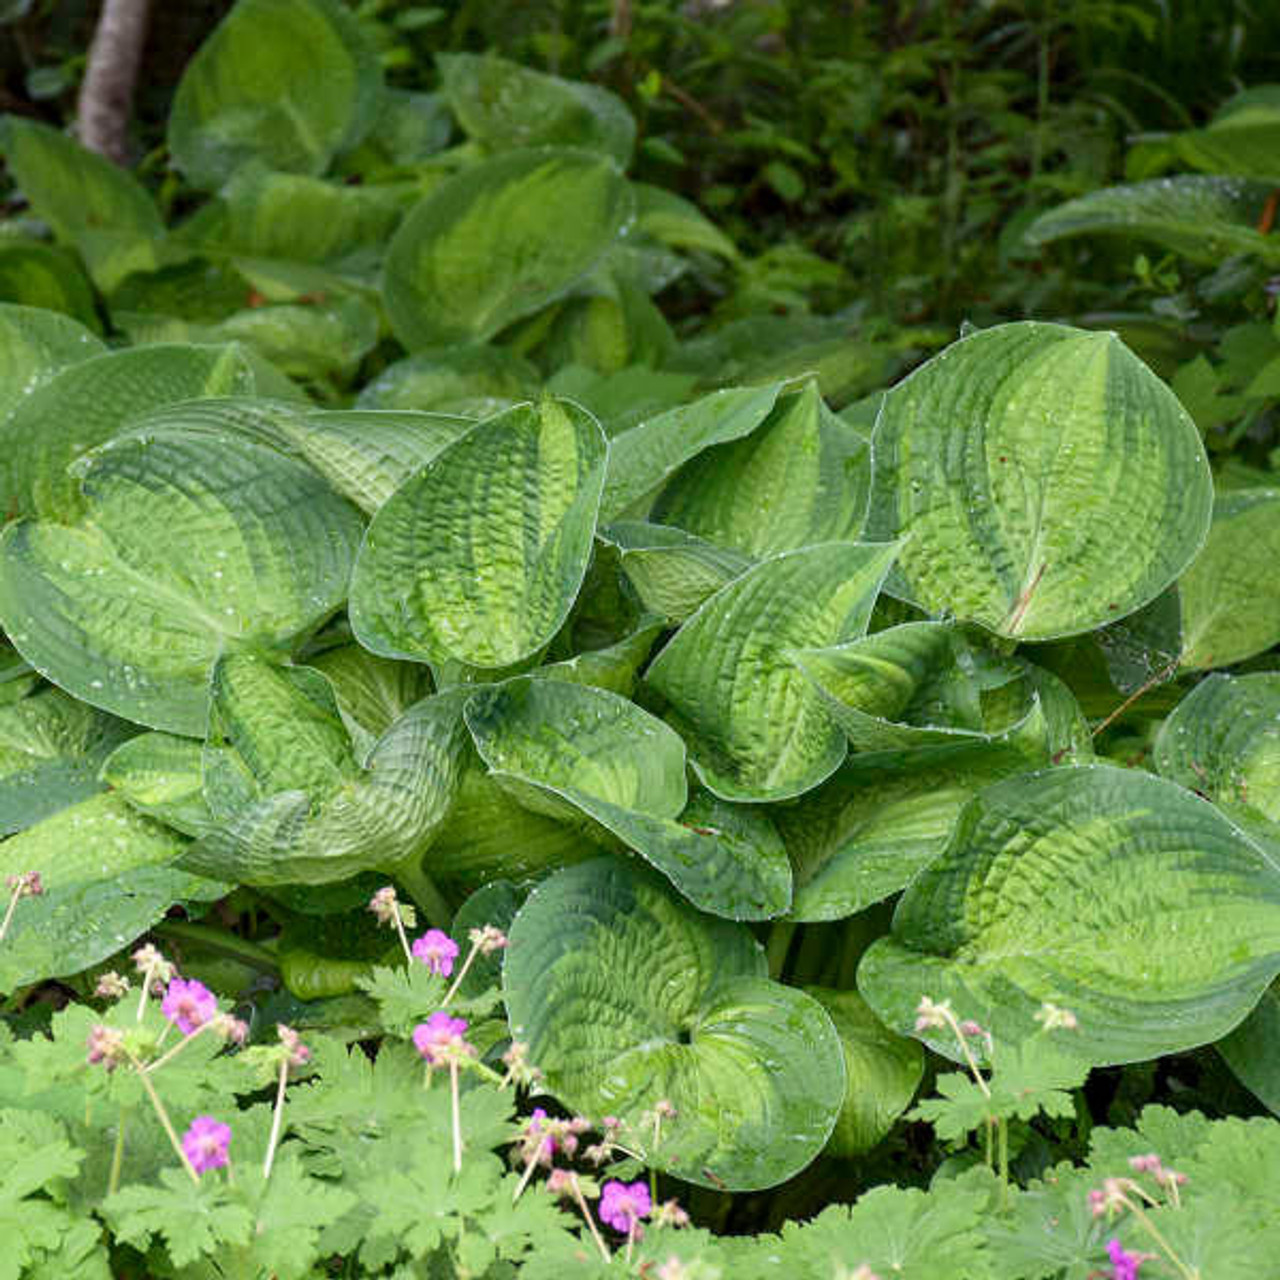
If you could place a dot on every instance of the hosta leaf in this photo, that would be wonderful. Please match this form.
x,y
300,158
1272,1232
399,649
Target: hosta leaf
x,y
87,403
475,380
1145,647
801,478
1242,140
678,222
1043,479
34,345
487,246
502,105
162,776
51,747
627,996
644,457
488,835
864,834
90,203
1223,740
917,684
46,277
380,819
756,727
1230,598
372,692
1204,219
479,556
193,545
273,729
1114,894
286,82
1252,1050
108,875
560,748
882,1070
615,667
672,572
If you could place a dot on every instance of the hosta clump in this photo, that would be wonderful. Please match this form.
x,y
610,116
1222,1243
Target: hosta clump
x,y
460,652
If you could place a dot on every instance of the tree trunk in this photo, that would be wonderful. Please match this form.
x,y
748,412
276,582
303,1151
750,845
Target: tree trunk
x,y
106,94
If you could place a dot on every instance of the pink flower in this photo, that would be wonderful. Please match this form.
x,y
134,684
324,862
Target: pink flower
x,y
439,1039
1125,1265
437,951
188,1005
106,1045
622,1206
205,1144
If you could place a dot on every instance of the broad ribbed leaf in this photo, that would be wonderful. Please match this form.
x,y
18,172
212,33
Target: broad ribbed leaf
x,y
51,747
475,380
1252,1051
882,1071
801,478
45,276
1230,594
1204,219
34,345
755,726
479,556
1223,740
502,105
378,819
1114,894
678,222
488,245
1044,482
914,685
566,750
286,82
108,875
193,545
616,667
644,457
372,692
162,776
89,402
90,203
311,341
1146,647
1242,139
672,572
626,995
864,835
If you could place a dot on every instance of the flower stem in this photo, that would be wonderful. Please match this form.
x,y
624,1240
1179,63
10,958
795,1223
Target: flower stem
x,y
457,1116
1002,1138
276,1120
177,1048
586,1213
117,1153
462,973
13,906
165,1122
404,941
430,901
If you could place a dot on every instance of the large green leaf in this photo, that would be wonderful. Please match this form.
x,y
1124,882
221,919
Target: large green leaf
x,y
1230,595
372,692
1223,740
162,776
1114,894
865,833
50,749
48,277
34,345
917,684
1242,139
756,727
488,246
1204,219
476,379
801,478
479,556
502,105
192,545
108,875
381,817
678,222
1252,1050
644,457
626,997
882,1070
672,572
286,82
1044,482
87,403
568,750
89,202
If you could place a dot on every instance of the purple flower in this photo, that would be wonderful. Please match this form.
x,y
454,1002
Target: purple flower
x,y
622,1206
437,951
205,1144
188,1004
1124,1265
439,1039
